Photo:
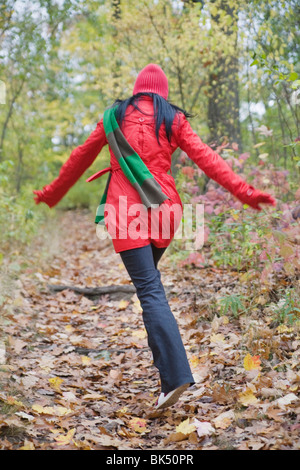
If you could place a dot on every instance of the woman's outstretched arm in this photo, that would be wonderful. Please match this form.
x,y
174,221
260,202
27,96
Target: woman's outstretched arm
x,y
216,168
79,161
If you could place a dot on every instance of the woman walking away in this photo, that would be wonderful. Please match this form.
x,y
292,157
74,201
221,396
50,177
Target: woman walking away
x,y
142,133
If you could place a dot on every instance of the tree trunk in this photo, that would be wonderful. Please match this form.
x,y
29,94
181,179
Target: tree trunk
x,y
116,7
9,115
223,99
223,107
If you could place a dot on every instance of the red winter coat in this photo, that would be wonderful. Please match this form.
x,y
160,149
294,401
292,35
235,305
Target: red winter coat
x,y
139,130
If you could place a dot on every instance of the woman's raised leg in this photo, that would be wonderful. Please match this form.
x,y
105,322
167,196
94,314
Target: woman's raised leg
x,y
163,334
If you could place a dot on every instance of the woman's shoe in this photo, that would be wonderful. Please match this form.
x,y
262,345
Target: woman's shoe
x,y
168,399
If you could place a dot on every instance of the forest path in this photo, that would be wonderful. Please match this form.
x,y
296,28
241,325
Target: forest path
x,y
77,372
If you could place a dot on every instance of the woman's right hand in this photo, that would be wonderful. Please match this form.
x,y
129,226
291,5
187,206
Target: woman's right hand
x,y
38,196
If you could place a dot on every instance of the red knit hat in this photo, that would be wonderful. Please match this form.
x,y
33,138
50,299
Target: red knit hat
x,y
152,79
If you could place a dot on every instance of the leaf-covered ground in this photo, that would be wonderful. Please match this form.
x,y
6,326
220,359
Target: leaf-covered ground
x,y
76,372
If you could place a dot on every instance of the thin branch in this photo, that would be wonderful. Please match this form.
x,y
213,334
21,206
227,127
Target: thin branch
x,y
9,114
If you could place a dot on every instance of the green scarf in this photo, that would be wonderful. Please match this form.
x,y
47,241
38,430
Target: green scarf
x,y
132,166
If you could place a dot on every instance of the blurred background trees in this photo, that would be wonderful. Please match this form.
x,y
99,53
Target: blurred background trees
x,y
233,65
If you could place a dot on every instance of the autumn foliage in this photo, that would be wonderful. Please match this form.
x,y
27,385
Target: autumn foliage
x,y
76,372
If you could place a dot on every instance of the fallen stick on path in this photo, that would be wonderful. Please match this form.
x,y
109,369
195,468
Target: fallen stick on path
x,y
94,291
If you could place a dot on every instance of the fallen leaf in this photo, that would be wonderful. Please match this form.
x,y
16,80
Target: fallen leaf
x,y
103,440
123,305
252,362
136,307
287,399
64,439
69,329
116,375
94,396
138,425
247,398
224,420
70,396
186,427
17,344
194,361
86,360
122,411
141,334
51,410
55,383
28,445
275,413
25,415
217,338
203,428
29,381
13,402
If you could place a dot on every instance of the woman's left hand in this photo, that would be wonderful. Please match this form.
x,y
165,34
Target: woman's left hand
x,y
254,198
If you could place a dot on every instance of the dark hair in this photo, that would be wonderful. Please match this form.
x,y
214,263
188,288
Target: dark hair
x,y
164,111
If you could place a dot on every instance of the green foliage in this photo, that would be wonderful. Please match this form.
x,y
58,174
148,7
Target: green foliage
x,y
262,244
19,218
287,308
272,77
231,233
83,195
231,305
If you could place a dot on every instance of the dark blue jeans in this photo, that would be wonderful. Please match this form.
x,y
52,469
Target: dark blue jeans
x,y
164,339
